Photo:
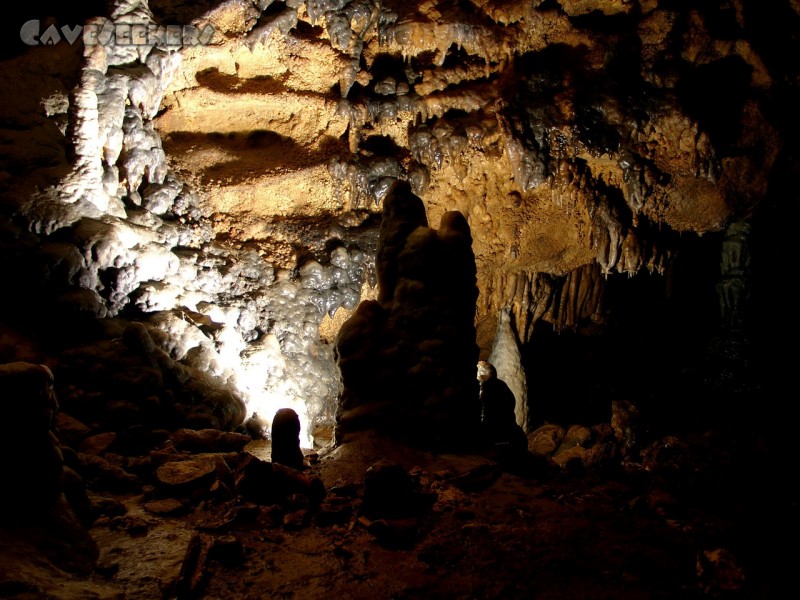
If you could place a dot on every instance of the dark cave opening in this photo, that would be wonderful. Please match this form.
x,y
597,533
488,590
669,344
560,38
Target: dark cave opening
x,y
714,94
660,347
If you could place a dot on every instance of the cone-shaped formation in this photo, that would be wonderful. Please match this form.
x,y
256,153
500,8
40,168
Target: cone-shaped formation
x,y
286,439
408,359
507,360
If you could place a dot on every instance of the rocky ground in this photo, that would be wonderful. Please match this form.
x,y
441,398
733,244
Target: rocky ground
x,y
487,534
202,513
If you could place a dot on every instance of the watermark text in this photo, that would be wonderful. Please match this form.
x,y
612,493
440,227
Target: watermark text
x,y
105,32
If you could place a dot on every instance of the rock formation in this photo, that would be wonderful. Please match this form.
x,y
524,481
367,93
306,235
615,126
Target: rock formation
x,y
202,204
498,418
285,436
32,462
505,357
407,359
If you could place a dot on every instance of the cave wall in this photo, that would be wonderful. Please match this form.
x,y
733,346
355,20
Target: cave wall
x,y
228,193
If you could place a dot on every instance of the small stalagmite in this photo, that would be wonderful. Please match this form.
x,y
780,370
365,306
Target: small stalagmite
x,y
286,439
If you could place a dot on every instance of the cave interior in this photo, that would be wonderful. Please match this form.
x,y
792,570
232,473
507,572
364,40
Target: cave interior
x,y
272,267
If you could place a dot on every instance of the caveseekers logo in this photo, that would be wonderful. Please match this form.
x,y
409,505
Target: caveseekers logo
x,y
105,32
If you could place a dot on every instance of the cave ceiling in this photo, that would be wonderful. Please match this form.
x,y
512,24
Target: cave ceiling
x,y
569,134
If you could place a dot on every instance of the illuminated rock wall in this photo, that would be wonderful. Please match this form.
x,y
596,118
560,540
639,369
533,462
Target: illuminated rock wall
x,y
567,134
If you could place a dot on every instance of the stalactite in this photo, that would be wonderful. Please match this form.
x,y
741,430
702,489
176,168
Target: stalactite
x,y
528,158
507,360
467,99
606,235
413,38
362,183
579,298
631,259
357,116
659,258
283,22
437,80
528,297
479,79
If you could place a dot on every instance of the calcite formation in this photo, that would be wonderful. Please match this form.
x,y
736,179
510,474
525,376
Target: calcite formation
x,y
506,358
408,358
228,191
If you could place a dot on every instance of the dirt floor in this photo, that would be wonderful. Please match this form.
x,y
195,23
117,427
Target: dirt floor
x,y
486,526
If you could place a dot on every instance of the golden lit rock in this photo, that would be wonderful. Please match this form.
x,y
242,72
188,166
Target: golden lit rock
x,y
575,8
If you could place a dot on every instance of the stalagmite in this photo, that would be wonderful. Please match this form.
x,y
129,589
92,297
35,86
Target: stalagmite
x,y
408,360
326,211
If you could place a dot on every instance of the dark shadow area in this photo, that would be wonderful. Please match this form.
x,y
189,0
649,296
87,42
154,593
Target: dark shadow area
x,y
596,20
657,335
714,95
252,154
47,12
381,145
180,12
387,65
231,84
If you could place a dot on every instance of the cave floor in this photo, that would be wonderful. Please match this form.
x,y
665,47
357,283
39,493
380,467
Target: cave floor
x,y
624,534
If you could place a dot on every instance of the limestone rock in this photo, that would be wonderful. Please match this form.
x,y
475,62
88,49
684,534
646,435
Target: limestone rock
x,y
544,440
165,507
270,483
183,476
102,475
97,444
175,182
607,7
71,431
506,358
417,342
208,440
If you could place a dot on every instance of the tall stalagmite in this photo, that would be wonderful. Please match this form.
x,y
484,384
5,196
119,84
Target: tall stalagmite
x,y
408,359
